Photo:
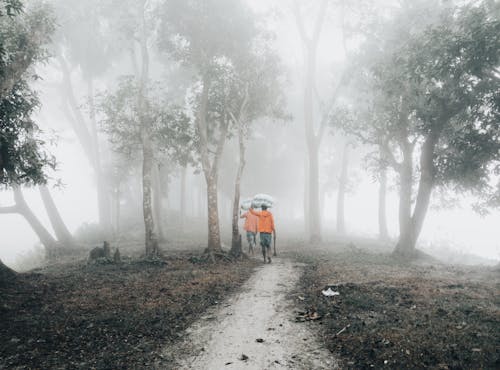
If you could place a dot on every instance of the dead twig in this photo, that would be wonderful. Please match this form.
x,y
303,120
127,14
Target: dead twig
x,y
343,329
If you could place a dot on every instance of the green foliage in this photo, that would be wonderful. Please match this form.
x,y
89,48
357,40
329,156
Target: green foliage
x,y
168,124
22,40
21,159
10,7
438,77
453,80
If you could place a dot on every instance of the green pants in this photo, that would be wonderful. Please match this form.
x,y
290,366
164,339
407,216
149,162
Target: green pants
x,y
265,240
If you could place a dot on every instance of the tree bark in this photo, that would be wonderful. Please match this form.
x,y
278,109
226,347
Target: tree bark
x,y
406,245
60,229
210,169
236,248
214,242
183,198
151,238
341,191
405,190
383,233
157,203
50,244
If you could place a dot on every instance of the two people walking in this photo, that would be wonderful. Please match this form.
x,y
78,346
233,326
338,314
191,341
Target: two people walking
x,y
262,222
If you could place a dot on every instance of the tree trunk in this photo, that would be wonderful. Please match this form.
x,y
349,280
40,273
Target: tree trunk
x,y
151,239
101,185
406,245
183,198
60,229
383,234
341,191
116,211
307,221
405,191
313,149
314,211
214,242
210,169
236,248
313,140
23,209
157,203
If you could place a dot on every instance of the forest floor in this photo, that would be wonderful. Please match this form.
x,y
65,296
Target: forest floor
x,y
396,315
187,314
108,316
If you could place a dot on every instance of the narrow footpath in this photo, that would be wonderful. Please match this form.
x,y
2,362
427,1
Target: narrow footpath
x,y
253,329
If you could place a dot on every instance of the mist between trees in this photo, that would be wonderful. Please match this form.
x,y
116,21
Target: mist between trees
x,y
174,111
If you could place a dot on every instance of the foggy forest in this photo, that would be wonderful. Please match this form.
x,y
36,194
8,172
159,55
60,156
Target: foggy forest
x,y
249,184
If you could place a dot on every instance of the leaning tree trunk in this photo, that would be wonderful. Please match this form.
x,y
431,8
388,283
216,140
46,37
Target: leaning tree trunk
x,y
382,204
342,191
50,244
60,229
406,245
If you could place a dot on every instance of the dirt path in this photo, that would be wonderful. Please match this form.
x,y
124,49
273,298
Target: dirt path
x,y
260,311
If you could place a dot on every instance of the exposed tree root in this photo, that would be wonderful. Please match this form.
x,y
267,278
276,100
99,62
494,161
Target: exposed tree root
x,y
412,255
212,257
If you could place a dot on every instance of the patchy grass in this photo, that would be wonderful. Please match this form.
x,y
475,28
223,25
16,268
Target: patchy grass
x,y
108,316
391,315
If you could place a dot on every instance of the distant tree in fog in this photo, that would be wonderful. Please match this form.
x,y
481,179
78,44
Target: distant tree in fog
x,y
315,127
83,45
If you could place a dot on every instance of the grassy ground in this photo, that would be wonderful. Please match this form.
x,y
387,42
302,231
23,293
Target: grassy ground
x,y
393,315
107,316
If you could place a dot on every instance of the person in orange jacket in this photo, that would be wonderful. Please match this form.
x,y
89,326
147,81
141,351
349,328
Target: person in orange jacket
x,y
251,227
266,228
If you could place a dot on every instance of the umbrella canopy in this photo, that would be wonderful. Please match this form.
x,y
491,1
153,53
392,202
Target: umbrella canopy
x,y
263,199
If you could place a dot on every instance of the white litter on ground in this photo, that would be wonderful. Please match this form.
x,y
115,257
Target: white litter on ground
x,y
329,292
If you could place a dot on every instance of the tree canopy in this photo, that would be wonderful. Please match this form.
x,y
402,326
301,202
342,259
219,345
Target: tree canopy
x,y
24,34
